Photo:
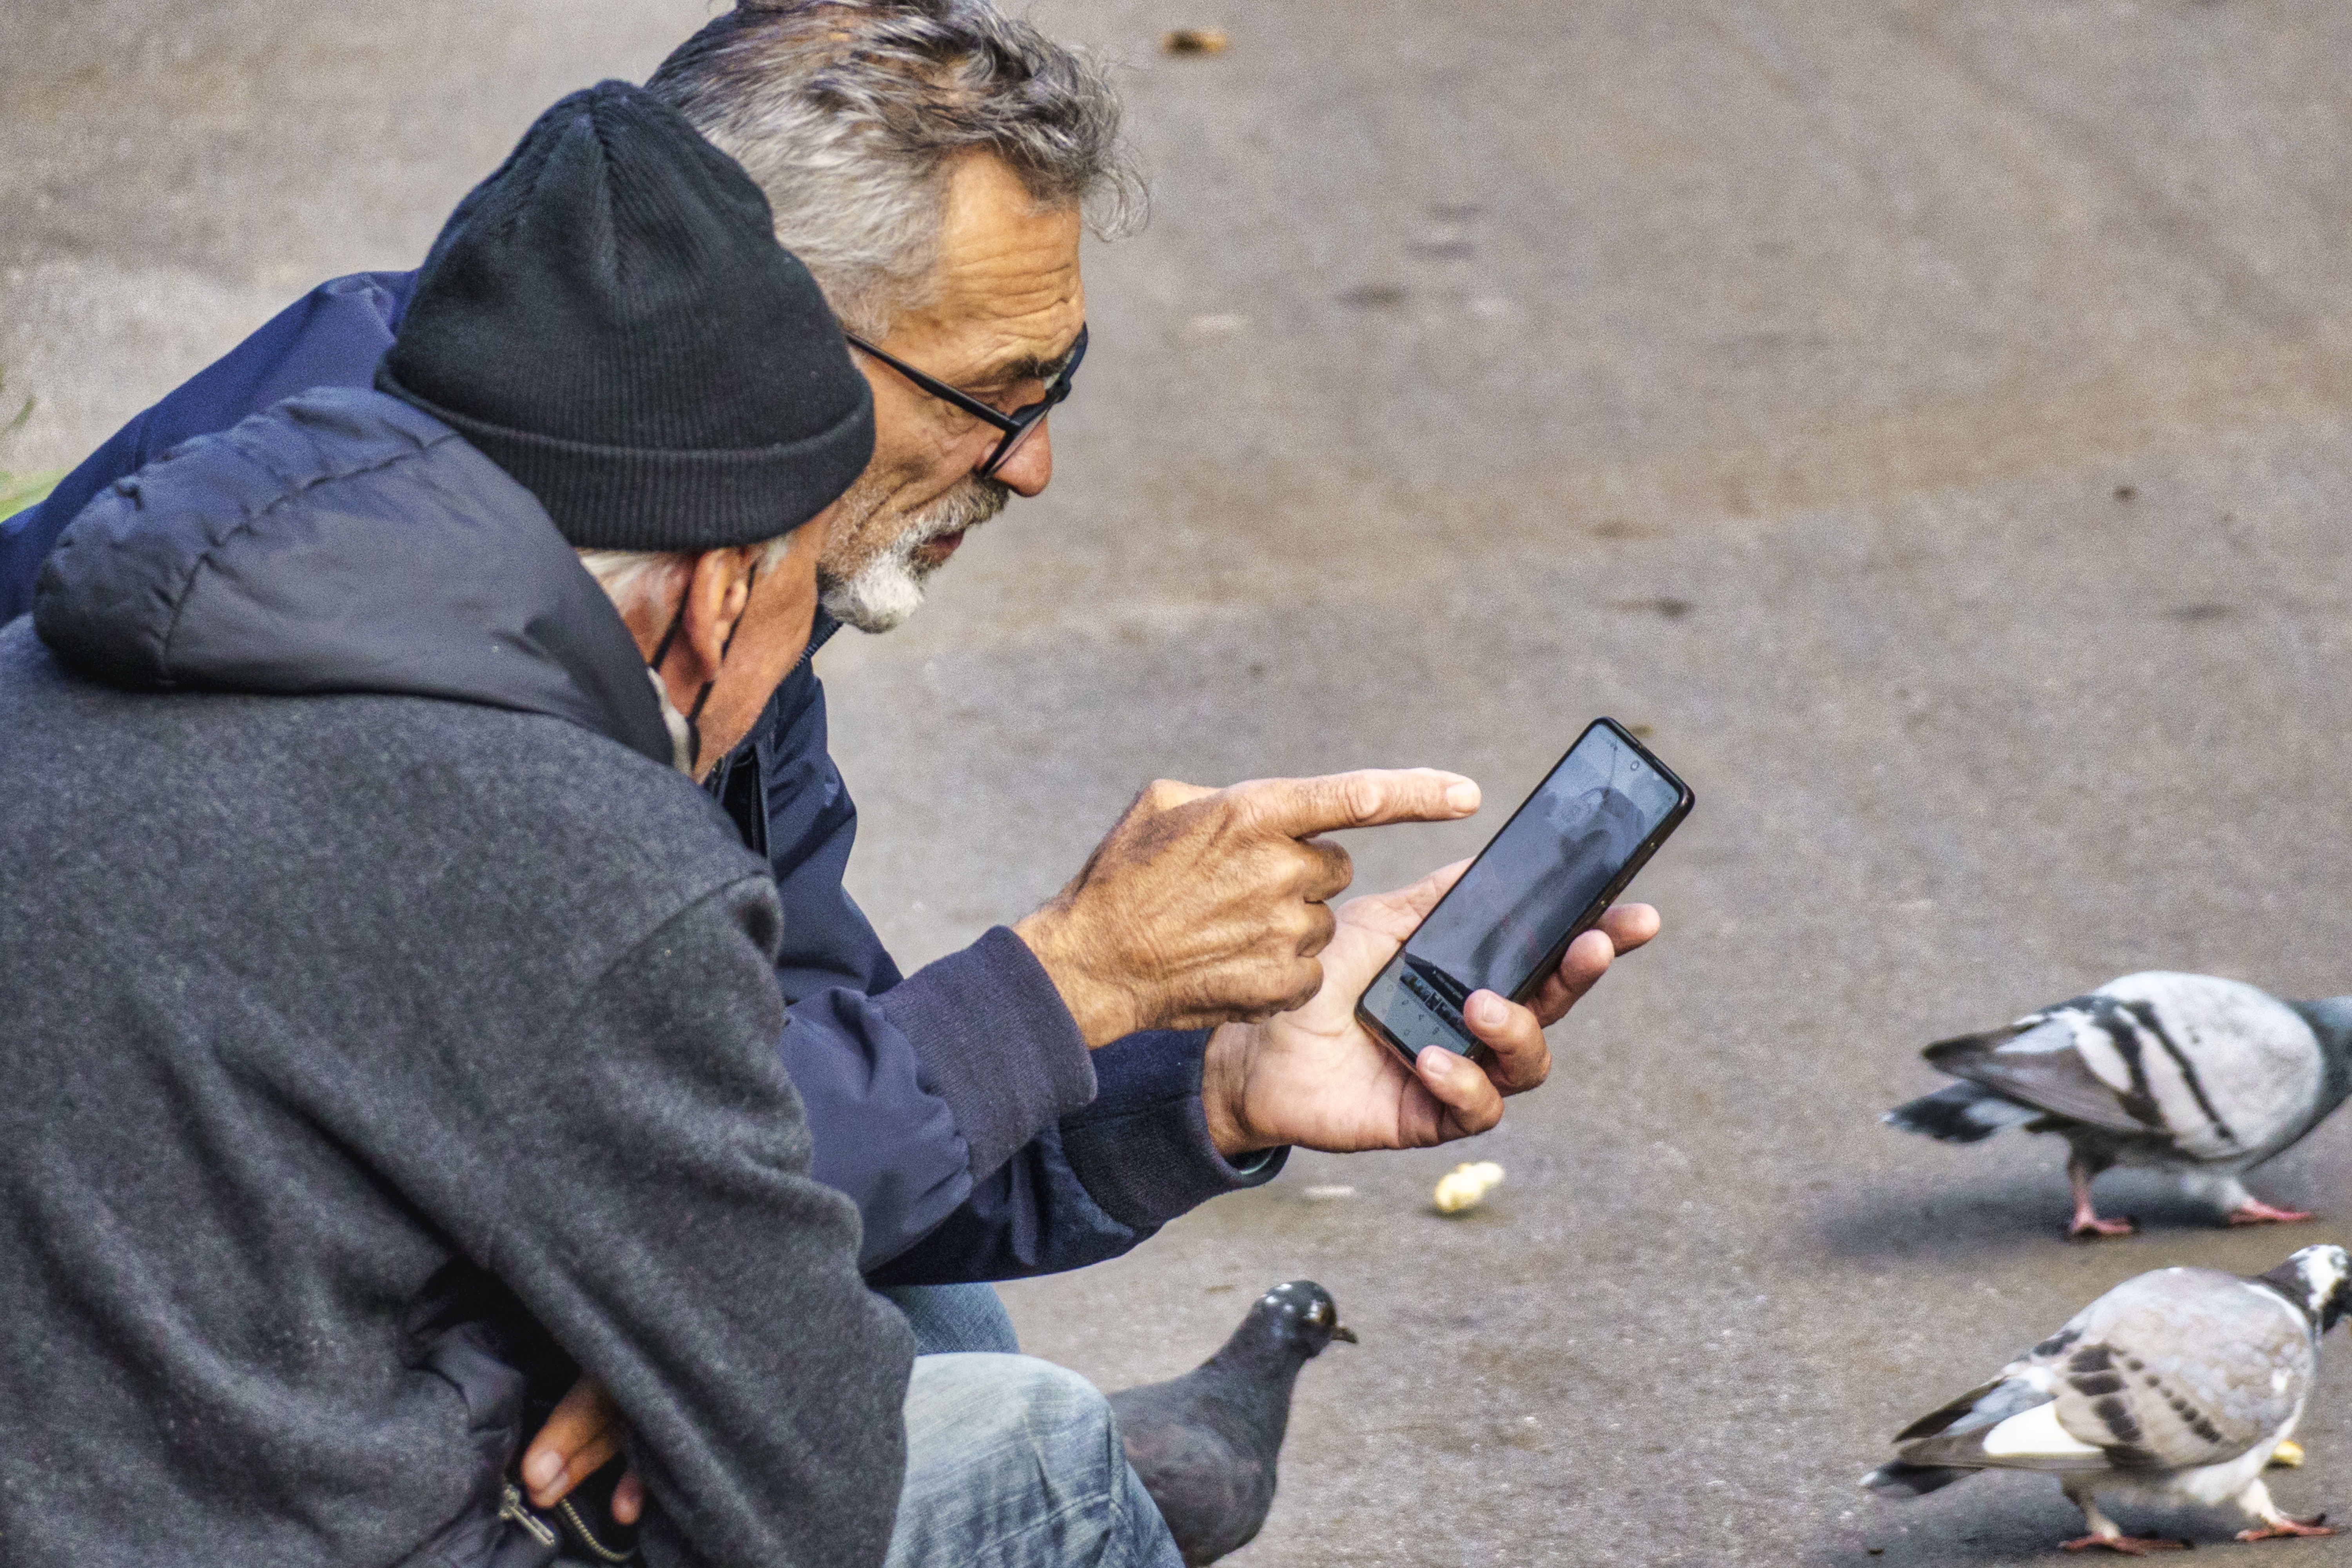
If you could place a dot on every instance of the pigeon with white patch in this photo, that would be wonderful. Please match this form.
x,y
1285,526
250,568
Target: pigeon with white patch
x,y
1205,1444
2186,1073
2176,1385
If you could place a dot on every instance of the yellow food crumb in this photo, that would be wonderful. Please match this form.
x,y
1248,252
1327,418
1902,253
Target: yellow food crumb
x,y
1195,41
2288,1455
1465,1186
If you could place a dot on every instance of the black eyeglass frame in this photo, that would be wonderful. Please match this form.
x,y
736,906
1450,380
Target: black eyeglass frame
x,y
1016,425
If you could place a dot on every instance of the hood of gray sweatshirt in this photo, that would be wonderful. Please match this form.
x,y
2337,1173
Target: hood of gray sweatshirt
x,y
343,542
361,952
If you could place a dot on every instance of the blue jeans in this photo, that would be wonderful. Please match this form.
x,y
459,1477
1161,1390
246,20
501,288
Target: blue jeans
x,y
948,1318
1014,1462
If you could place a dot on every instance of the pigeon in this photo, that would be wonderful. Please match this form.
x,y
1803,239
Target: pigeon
x,y
2174,1385
1205,1444
2186,1073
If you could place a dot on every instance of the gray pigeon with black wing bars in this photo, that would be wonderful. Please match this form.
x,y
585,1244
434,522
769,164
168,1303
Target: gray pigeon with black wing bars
x,y
2175,1386
2203,1078
1205,1444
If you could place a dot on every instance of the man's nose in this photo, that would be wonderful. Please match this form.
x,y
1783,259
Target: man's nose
x,y
1031,467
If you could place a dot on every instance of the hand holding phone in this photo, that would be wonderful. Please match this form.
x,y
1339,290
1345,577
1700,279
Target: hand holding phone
x,y
1541,882
1315,1078
1324,1076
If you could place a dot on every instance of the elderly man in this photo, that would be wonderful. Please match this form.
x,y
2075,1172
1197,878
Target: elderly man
x,y
368,961
933,163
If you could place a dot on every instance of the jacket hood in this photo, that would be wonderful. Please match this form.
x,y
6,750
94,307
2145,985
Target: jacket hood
x,y
342,542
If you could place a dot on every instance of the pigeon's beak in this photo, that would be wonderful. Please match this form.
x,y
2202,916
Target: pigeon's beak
x,y
1344,1334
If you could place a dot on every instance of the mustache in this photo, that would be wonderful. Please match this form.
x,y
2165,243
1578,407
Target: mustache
x,y
967,506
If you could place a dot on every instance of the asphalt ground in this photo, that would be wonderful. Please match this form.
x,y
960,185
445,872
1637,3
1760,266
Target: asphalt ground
x,y
1930,420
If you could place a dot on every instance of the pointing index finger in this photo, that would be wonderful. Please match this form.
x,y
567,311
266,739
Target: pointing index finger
x,y
1369,797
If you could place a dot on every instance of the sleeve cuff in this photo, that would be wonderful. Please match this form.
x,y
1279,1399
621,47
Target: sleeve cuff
x,y
1142,1150
996,1043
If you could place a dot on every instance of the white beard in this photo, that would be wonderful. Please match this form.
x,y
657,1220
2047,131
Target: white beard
x,y
881,594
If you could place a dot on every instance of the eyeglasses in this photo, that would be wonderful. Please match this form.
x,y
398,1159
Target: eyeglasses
x,y
1016,425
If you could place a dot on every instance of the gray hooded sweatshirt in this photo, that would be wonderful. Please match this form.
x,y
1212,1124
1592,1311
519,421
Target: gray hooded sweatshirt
x,y
362,961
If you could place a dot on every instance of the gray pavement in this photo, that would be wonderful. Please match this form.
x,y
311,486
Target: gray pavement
x,y
1930,420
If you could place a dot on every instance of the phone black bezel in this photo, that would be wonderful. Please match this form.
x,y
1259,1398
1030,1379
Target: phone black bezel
x,y
1591,916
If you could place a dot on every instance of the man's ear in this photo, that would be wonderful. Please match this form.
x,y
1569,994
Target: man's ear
x,y
716,597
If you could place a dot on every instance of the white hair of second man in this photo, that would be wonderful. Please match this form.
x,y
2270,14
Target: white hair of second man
x,y
654,580
848,114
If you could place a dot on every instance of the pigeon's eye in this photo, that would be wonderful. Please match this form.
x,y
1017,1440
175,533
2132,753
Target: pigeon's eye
x,y
1318,1313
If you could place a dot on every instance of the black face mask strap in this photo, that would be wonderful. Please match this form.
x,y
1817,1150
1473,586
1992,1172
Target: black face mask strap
x,y
661,648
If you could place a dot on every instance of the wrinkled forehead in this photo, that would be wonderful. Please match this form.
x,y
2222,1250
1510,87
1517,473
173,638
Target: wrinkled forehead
x,y
1007,295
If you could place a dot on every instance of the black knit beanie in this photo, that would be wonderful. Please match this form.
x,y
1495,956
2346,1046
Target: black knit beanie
x,y
610,320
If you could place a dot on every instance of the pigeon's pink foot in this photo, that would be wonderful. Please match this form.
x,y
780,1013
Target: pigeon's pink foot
x,y
2080,1171
2256,1212
2129,1545
2091,1227
2316,1525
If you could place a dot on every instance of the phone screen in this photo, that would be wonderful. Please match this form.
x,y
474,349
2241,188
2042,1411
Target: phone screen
x,y
1538,883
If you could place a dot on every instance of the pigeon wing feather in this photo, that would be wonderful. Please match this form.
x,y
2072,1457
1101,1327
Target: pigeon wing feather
x,y
1996,1401
2236,1071
2187,1367
2170,1371
2008,1423
2038,1062
2221,1073
1214,1498
2031,1439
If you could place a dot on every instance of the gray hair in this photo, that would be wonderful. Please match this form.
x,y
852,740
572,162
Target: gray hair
x,y
650,579
848,113
653,579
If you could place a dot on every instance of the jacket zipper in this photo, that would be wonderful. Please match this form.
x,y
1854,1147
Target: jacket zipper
x,y
587,1536
510,1508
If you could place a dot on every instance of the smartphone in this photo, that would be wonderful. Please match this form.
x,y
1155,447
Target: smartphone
x,y
1540,883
